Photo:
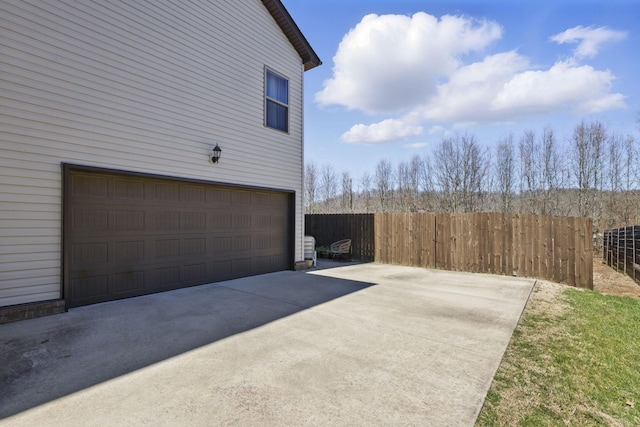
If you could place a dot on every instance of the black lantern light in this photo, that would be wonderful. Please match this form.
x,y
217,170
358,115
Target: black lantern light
x,y
217,152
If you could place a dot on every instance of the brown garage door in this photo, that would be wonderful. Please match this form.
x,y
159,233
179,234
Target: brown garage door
x,y
128,235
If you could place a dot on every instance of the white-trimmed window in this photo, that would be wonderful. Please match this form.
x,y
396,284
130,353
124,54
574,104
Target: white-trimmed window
x,y
276,101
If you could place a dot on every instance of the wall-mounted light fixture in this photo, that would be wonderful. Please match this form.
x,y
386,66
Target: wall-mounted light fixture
x,y
217,152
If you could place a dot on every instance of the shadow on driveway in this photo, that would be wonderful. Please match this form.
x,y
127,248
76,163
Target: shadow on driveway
x,y
47,358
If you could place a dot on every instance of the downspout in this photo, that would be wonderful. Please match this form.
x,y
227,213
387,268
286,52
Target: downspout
x,y
302,193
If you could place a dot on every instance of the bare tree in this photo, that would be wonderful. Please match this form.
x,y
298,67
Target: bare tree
x,y
460,170
365,192
475,165
588,143
426,185
631,172
631,180
403,193
626,174
614,165
552,167
529,173
328,188
310,187
416,167
384,184
347,192
505,173
447,174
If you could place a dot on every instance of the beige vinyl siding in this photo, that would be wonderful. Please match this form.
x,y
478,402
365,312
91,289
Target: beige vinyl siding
x,y
136,86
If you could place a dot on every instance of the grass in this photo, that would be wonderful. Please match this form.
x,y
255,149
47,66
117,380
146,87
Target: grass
x,y
573,360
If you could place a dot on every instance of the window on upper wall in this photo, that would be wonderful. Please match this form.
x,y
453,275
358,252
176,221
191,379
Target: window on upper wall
x,y
276,102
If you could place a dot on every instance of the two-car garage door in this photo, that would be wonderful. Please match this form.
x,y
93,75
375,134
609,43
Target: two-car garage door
x,y
127,235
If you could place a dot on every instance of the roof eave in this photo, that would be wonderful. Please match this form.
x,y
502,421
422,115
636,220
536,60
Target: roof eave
x,y
288,26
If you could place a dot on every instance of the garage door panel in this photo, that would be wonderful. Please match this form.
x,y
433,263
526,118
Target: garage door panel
x,y
219,220
92,288
129,250
166,220
178,219
128,220
194,220
241,243
262,263
129,189
129,283
85,220
219,245
218,197
263,221
263,242
194,195
129,235
241,198
166,192
89,253
221,270
194,246
167,277
88,186
241,267
167,248
241,220
195,273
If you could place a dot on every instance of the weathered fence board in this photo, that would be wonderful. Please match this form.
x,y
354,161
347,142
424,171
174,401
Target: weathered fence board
x,y
621,250
552,248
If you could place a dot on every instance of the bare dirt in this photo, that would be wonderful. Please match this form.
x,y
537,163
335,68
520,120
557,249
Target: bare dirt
x,y
606,280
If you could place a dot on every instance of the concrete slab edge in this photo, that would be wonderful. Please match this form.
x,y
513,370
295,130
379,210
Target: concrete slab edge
x,y
488,386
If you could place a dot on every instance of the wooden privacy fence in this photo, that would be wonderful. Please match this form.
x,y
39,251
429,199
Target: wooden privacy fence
x,y
552,248
621,250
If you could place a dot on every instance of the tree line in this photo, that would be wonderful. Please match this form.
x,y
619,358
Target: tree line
x,y
595,173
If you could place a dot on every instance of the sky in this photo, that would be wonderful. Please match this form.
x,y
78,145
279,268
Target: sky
x,y
398,76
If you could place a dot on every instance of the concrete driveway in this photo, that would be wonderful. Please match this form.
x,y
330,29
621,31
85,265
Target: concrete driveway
x,y
360,344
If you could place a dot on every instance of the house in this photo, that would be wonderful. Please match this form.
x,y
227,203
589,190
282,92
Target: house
x,y
111,112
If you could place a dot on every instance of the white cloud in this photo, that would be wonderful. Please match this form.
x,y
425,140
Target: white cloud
x,y
467,95
581,87
415,145
386,130
606,102
502,88
412,68
391,63
589,39
437,129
